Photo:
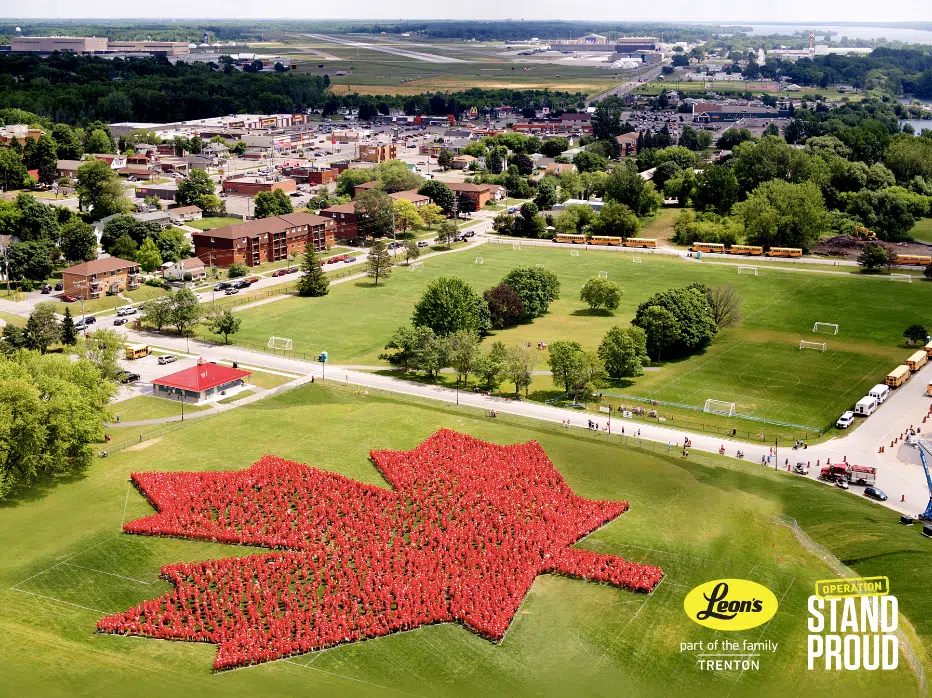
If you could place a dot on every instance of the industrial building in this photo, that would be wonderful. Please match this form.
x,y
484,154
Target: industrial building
x,y
95,45
704,113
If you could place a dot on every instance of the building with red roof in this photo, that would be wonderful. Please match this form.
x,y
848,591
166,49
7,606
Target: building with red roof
x,y
201,383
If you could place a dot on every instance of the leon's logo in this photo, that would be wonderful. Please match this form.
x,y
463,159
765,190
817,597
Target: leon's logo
x,y
730,604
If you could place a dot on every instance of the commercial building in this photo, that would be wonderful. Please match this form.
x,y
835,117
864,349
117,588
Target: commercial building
x,y
705,113
165,192
96,45
250,186
20,133
108,275
378,153
270,239
154,48
201,383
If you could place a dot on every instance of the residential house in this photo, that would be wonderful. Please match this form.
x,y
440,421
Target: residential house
x,y
106,275
479,194
183,214
463,162
176,271
68,168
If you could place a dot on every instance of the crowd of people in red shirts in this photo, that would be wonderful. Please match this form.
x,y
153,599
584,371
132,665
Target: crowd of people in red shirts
x,y
467,528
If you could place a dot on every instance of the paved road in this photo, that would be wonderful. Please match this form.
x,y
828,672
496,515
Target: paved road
x,y
420,55
624,88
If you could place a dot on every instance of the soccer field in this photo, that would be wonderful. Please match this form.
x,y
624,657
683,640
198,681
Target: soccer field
x,y
66,565
757,364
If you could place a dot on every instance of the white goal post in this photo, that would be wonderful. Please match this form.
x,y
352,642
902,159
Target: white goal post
x,y
719,407
746,269
636,259
901,277
603,274
516,245
539,266
280,343
574,253
416,266
803,344
825,327
479,260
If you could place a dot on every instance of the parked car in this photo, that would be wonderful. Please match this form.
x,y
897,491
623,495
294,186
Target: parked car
x,y
332,260
295,193
59,286
252,279
126,310
167,359
241,283
231,291
292,270
846,420
127,377
841,483
120,321
422,243
350,259
469,234
279,272
68,298
875,493
223,286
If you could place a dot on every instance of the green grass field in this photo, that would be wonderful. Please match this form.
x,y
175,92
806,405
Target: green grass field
x,y
150,407
214,222
757,364
66,564
922,231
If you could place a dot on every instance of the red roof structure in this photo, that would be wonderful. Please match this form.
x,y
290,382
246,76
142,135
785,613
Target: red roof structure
x,y
202,377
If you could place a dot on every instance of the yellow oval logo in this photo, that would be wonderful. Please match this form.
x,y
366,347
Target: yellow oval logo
x,y
730,604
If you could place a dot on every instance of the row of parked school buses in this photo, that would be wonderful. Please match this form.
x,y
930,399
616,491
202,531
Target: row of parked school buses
x,y
904,371
609,240
749,250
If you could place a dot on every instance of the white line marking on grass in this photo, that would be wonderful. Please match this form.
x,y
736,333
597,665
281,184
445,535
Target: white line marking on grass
x,y
68,603
109,574
351,678
313,659
125,502
39,574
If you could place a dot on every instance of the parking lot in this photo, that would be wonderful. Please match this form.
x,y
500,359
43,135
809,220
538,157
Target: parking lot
x,y
148,369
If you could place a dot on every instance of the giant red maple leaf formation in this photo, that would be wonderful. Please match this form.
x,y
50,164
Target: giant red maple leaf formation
x,y
466,530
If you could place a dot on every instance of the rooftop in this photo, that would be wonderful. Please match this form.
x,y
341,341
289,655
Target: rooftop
x,y
99,266
202,377
272,224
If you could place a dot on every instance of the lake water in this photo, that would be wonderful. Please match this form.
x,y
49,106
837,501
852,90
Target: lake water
x,y
912,36
919,125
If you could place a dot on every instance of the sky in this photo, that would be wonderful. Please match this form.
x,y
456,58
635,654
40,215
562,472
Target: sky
x,y
792,11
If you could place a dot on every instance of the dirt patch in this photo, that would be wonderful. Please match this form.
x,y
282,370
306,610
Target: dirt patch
x,y
143,445
848,247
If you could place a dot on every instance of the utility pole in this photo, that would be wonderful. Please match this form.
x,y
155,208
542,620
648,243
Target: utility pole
x,y
776,455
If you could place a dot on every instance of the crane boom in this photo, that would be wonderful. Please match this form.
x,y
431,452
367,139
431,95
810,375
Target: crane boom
x,y
925,448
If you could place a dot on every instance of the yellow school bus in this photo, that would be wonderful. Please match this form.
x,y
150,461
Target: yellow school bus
x,y
641,242
928,349
572,238
898,376
785,252
137,351
708,247
746,249
917,361
914,259
929,389
610,240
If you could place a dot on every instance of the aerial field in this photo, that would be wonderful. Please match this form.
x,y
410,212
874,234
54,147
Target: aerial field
x,y
757,87
756,364
66,565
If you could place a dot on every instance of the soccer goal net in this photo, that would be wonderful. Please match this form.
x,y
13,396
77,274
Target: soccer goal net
x,y
745,269
636,260
479,260
901,277
516,245
280,343
603,274
818,346
719,407
574,253
539,266
825,328
416,266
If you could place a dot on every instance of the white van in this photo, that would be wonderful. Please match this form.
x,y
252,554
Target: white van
x,y
866,406
880,393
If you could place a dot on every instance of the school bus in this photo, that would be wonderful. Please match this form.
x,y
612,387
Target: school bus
x,y
572,238
605,240
708,247
916,259
137,351
917,361
746,249
785,252
898,376
929,389
928,349
641,242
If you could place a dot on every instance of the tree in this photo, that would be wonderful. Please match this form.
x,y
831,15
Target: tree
x,y
661,329
375,211
770,158
606,121
224,322
490,368
695,326
915,334
886,212
349,179
616,219
100,190
104,348
449,305
445,159
148,256
67,144
34,260
272,203
237,270
440,194
412,251
732,137
99,142
407,342
781,214
494,162
158,312
43,156
519,367
395,176
378,262
36,221
598,292
624,352
119,226
589,162
577,371
431,214
406,215
873,256
716,190
554,146
546,197
185,310
193,187
172,245
522,163
537,288
463,347
124,247
42,329
313,282
627,187
447,233
238,148
559,360
695,139
53,409
68,335
726,305
505,306
432,353
12,169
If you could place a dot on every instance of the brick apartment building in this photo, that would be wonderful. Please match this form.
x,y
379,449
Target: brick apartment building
x,y
250,186
265,240
311,175
479,194
100,276
378,153
347,219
